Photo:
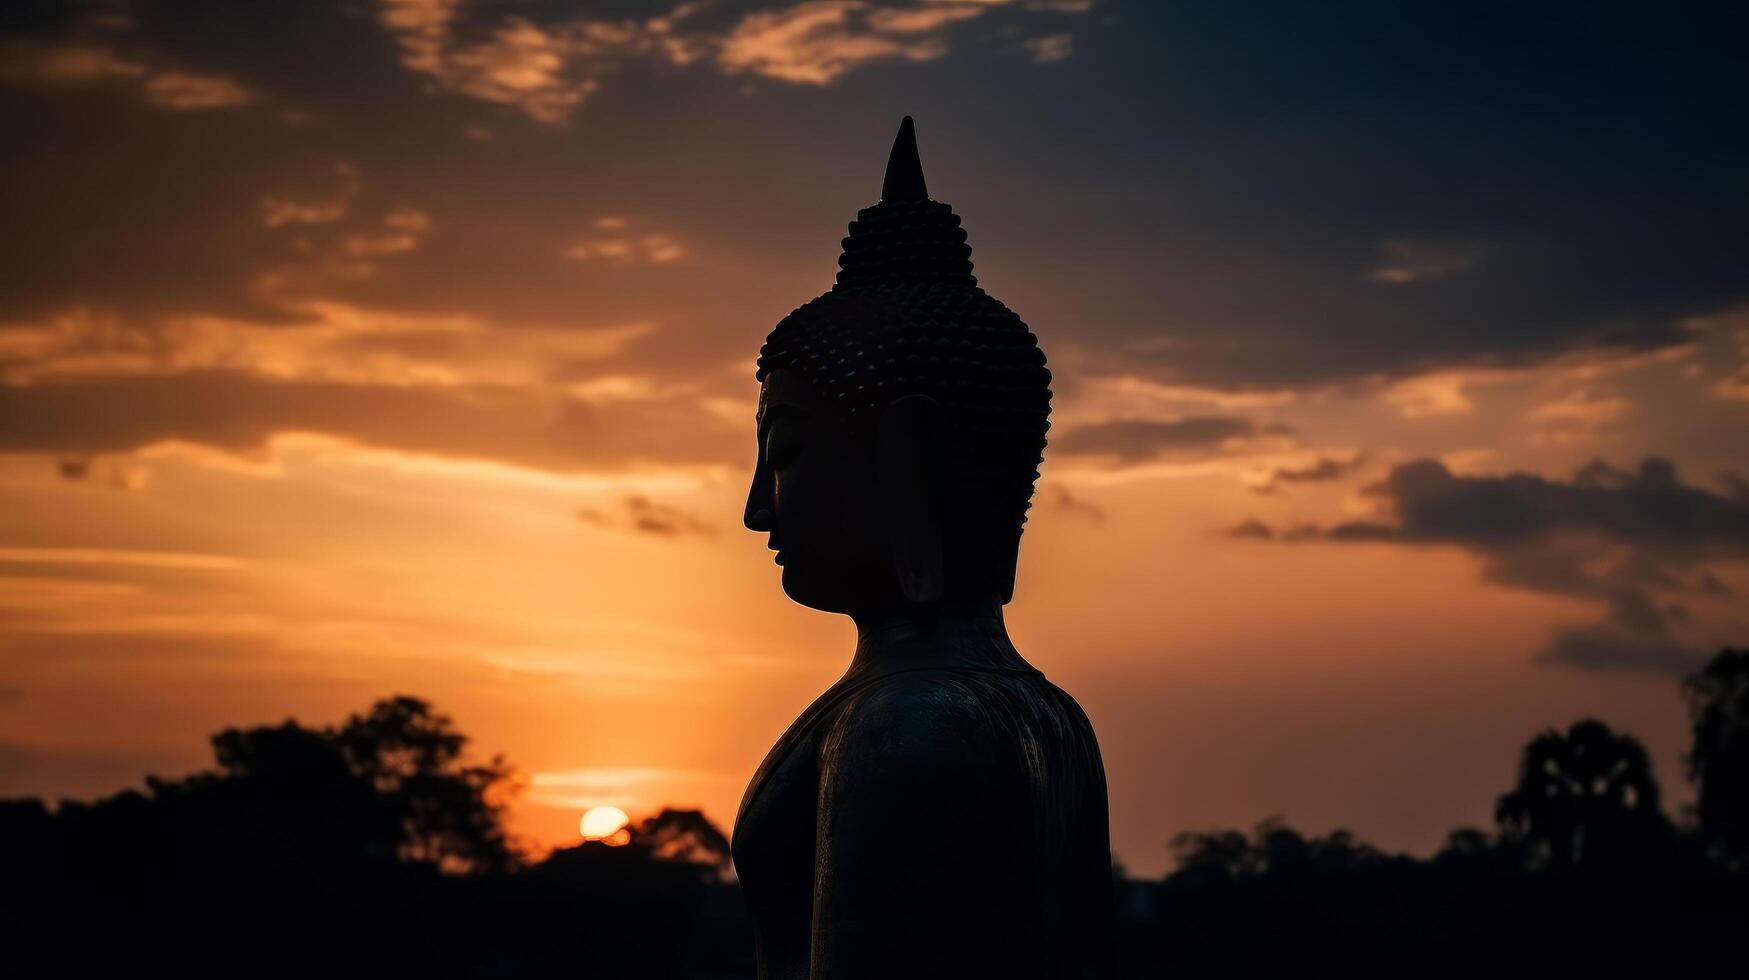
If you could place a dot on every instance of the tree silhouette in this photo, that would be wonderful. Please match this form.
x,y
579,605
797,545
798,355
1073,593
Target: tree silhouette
x,y
1583,798
1718,764
683,835
449,813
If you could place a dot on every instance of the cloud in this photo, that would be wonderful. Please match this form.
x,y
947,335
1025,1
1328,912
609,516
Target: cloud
x,y
922,20
1442,393
544,70
653,248
241,413
1403,262
1321,470
1583,408
1251,528
1059,498
626,786
816,43
329,342
118,474
1736,385
278,211
81,385
1412,216
120,558
1137,440
1607,535
642,515
1649,508
185,91
1051,48
403,228
547,69
75,64
1635,636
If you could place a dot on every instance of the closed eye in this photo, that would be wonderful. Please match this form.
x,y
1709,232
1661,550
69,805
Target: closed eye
x,y
785,435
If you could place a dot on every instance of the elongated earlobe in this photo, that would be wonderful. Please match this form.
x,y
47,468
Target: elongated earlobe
x,y
910,464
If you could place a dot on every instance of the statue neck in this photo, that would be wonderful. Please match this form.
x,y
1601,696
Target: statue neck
x,y
971,635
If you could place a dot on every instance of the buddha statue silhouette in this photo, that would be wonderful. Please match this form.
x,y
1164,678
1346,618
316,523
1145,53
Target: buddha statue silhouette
x,y
940,811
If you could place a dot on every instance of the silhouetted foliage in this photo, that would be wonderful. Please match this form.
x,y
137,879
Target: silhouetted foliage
x,y
683,835
370,847
377,847
444,809
1718,703
1584,797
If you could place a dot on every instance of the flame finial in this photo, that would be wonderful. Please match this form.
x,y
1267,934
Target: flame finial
x,y
904,180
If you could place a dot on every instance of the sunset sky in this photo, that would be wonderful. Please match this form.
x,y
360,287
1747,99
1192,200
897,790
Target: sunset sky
x,y
350,348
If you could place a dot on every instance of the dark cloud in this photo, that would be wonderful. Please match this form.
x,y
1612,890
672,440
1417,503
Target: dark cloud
x,y
1325,469
1737,485
1292,161
1619,537
1251,528
1255,530
642,515
1635,636
239,412
1059,498
1649,509
1280,200
1136,440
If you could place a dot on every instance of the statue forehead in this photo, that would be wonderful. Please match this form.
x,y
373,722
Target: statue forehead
x,y
783,387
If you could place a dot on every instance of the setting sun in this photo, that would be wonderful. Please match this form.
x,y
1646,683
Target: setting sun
x,y
606,824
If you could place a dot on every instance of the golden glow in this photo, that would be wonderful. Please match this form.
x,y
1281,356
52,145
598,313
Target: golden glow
x,y
462,406
606,824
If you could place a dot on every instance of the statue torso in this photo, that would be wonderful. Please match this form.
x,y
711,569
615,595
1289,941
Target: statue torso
x,y
1033,898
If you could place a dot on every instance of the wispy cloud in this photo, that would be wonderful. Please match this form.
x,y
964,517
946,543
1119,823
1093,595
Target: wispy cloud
x,y
818,42
642,515
1405,261
620,245
1051,48
1320,469
1629,539
623,786
548,69
161,86
1128,441
280,210
120,558
544,70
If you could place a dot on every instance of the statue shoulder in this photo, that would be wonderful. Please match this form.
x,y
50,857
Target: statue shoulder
x,y
916,722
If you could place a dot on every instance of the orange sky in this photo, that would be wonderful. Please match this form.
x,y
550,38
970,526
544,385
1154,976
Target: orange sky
x,y
429,370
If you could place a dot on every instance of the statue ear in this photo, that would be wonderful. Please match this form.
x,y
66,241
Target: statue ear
x,y
910,464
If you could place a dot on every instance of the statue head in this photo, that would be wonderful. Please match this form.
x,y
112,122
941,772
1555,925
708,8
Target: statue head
x,y
902,419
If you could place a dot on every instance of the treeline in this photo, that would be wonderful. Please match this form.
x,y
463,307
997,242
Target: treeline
x,y
1583,874
374,848
377,847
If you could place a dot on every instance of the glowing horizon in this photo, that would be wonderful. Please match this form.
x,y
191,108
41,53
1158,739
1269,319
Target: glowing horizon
x,y
1388,430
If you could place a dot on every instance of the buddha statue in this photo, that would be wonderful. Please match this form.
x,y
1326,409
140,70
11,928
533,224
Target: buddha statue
x,y
940,811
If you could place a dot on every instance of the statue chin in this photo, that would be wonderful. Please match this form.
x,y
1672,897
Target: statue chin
x,y
838,589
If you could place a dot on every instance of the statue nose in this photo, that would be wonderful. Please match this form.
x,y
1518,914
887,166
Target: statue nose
x,y
759,520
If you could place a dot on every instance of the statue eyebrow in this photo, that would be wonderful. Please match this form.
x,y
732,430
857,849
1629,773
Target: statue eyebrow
x,y
773,409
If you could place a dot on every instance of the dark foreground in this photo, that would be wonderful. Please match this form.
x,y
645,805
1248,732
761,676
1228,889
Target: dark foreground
x,y
376,849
